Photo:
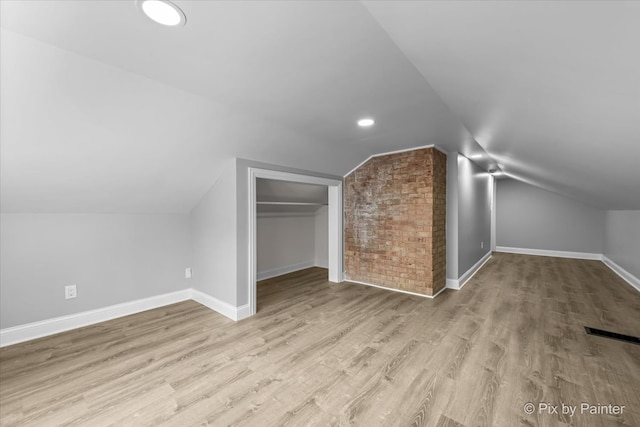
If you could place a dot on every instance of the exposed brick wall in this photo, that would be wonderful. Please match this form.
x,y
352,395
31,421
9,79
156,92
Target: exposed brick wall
x,y
439,215
395,212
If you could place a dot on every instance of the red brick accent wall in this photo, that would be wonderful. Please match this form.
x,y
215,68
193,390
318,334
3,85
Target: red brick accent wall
x,y
395,212
439,224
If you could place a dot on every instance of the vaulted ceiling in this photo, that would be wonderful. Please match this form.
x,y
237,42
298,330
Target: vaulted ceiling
x,y
105,111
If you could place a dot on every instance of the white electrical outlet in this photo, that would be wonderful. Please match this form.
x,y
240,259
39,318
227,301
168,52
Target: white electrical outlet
x,y
70,291
187,273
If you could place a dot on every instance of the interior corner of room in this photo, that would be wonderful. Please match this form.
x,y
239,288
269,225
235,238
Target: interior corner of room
x,y
261,180
125,263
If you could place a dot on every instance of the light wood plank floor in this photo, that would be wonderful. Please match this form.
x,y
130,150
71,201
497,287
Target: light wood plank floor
x,y
324,354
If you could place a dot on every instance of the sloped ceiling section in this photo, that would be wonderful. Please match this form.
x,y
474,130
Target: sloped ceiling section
x,y
105,111
81,136
112,112
551,90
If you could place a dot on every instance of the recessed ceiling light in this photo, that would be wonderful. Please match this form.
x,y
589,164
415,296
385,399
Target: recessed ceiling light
x,y
163,12
476,156
366,122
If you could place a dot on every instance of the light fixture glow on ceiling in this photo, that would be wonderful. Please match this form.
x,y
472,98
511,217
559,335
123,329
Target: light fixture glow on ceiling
x,y
366,122
476,156
163,12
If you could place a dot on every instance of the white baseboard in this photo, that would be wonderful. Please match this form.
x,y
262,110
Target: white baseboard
x,y
56,325
462,280
31,331
322,263
215,304
544,252
268,274
396,290
243,312
439,292
624,274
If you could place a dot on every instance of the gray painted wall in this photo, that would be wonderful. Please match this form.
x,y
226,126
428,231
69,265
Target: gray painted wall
x,y
214,239
474,213
452,216
112,258
622,239
285,240
531,218
220,233
469,204
321,237
242,210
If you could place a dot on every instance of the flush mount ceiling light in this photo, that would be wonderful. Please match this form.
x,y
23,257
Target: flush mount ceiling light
x,y
366,122
163,12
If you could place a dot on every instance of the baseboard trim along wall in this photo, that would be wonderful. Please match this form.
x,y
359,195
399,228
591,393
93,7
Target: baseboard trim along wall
x,y
396,290
224,308
462,280
268,274
624,274
31,331
544,252
56,325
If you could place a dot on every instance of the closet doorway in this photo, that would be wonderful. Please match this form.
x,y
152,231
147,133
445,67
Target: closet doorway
x,y
277,197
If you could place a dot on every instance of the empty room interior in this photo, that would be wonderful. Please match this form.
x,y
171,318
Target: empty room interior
x,y
319,213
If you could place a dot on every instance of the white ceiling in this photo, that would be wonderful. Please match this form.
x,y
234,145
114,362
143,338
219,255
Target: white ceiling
x,y
551,89
105,111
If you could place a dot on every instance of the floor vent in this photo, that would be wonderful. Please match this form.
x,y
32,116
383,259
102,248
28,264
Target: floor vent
x,y
612,335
